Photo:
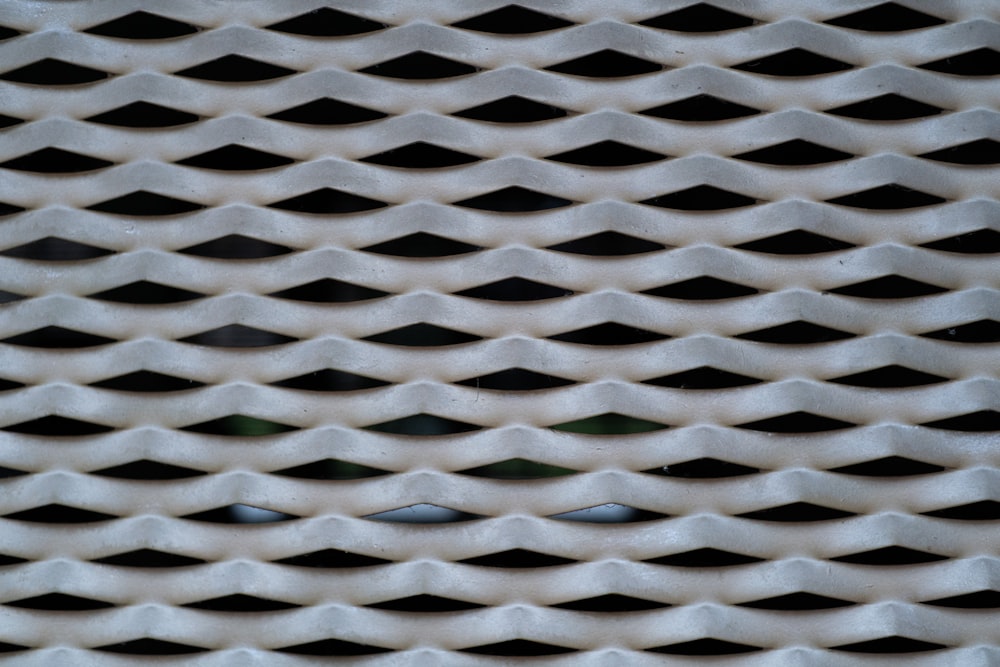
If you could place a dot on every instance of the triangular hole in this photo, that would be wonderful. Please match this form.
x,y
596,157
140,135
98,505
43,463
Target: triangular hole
x,y
889,466
145,115
607,154
515,379
143,203
983,421
148,470
793,62
610,603
515,289
235,69
59,602
984,510
701,109
53,337
234,157
702,288
7,385
512,20
517,559
331,469
801,601
796,333
519,648
329,379
240,603
242,426
423,513
888,287
56,426
704,557
980,242
328,200
54,249
332,647
607,244
703,468
146,293
237,335
326,111
9,121
514,199
978,62
512,109
328,290
701,198
517,469
894,644
795,242
239,514
891,555
887,197
54,72
422,335
56,513
149,646
55,161
706,646
420,65
700,17
142,25
886,107
605,64
148,558
798,512
609,423
425,604
332,559
797,422
420,155
980,331
796,152
421,244
980,151
986,599
703,377
423,425
236,246
609,333
887,17
888,377
327,22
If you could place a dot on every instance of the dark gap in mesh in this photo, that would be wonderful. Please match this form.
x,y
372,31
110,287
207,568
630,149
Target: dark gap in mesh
x,y
235,68
148,558
332,559
980,242
517,559
609,423
332,469
609,333
607,154
329,379
889,466
55,426
6,560
9,121
705,646
701,198
142,25
10,297
611,603
887,197
6,647
703,468
514,200
605,64
420,155
607,244
512,109
327,22
144,114
796,513
236,514
55,249
795,242
54,72
333,647
7,33
422,244
328,290
702,288
609,513
889,377
796,422
980,331
794,153
517,469
980,151
892,555
423,513
143,203
985,599
422,334
886,107
515,379
700,17
888,287
240,426
800,601
148,470
55,513
796,333
984,510
893,644
704,557
240,603
701,109
326,111
424,603
420,65
515,289
147,381
9,209
327,200
792,63
703,377
150,646
887,17
236,246
146,293
234,157
237,335
423,424
55,161
978,62
972,422
512,20
59,602
6,473
518,647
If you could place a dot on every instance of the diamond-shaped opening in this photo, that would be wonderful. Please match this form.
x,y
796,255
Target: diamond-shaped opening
x,y
423,424
9,121
329,379
422,334
421,155
983,510
512,109
972,422
150,646
889,466
420,65
7,385
239,513
422,244
146,292
890,376
795,242
148,558
796,152
55,513
798,512
512,20
59,602
888,287
980,331
142,25
980,242
985,599
328,200
701,198
517,559
893,644
55,161
891,555
143,203
514,199
147,381
796,422
517,469
793,62
704,557
518,647
238,426
702,288
515,289
610,603
515,379
57,426
234,157
332,559
240,602
796,333
10,297
980,151
607,154
327,22
148,470
886,107
607,244
7,33
703,468
701,109
703,377
978,62
328,290
609,423
9,209
53,337
331,469
237,335
700,17
332,647
705,646
423,513
55,249
887,197
326,111
605,64
6,473
800,601
54,72
235,69
424,603
145,115
236,246
609,333
887,17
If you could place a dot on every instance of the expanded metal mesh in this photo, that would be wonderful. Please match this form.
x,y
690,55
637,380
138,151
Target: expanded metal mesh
x,y
453,333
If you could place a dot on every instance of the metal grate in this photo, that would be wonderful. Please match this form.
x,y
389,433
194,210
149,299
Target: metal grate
x,y
461,333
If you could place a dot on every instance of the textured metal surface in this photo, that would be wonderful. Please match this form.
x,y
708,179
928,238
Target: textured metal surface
x,y
800,503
